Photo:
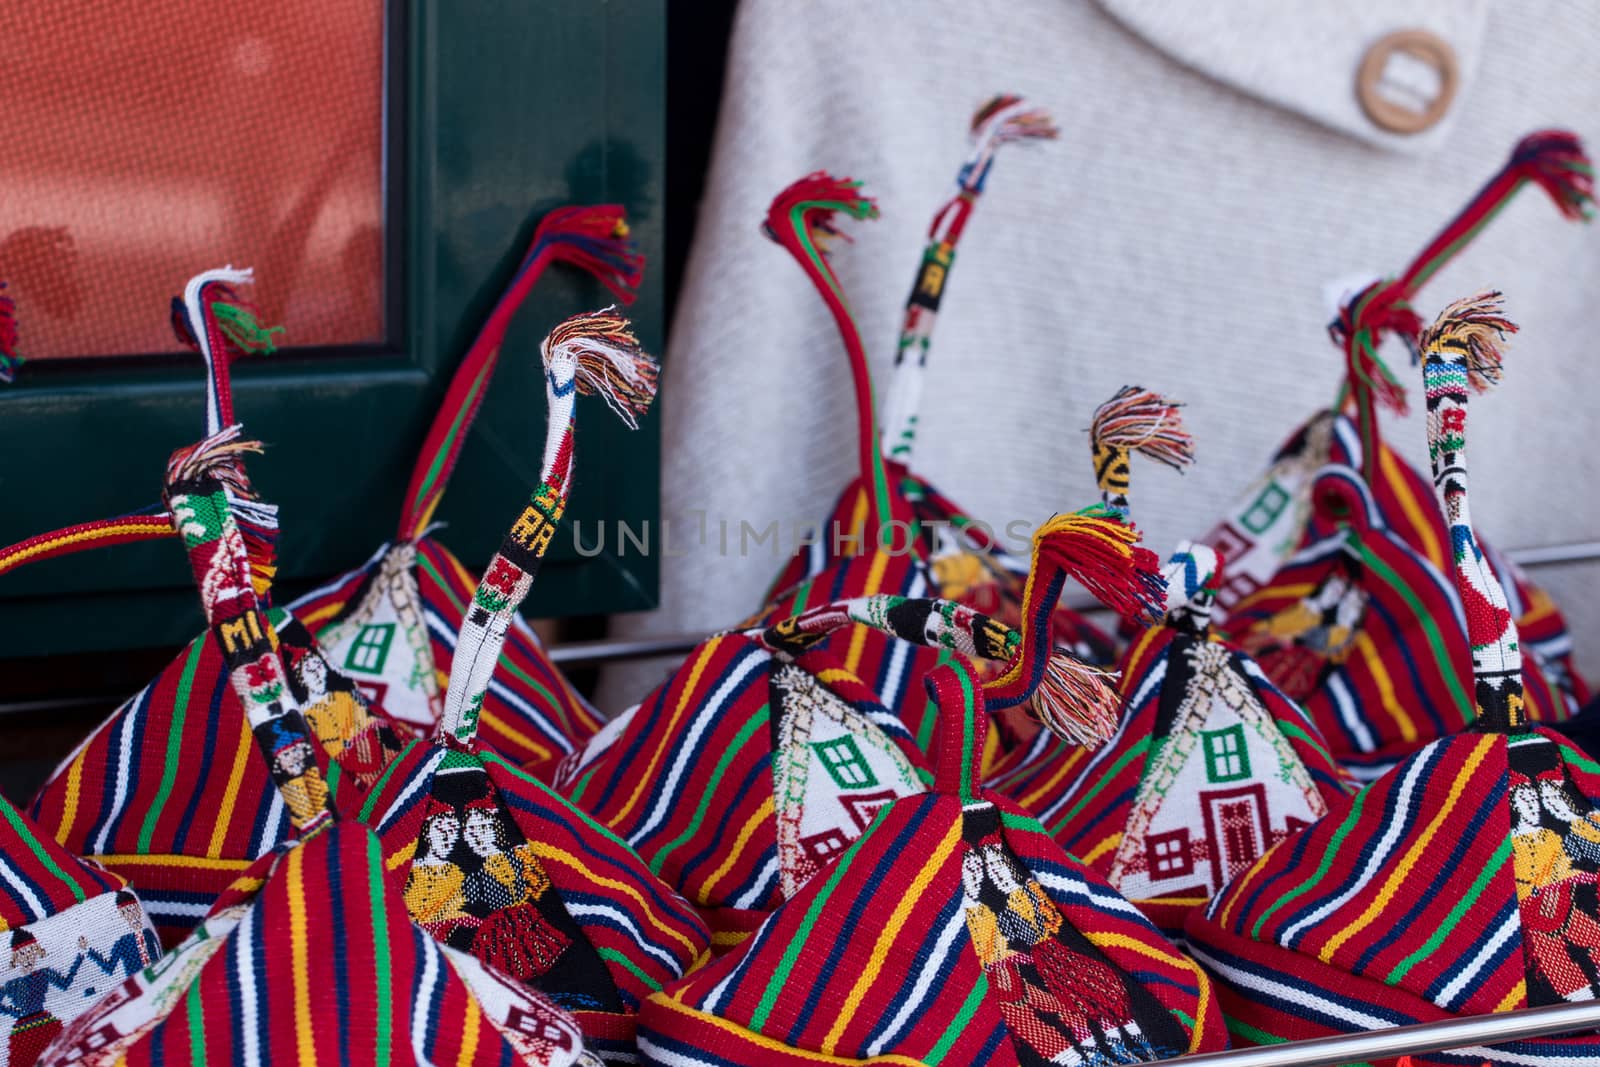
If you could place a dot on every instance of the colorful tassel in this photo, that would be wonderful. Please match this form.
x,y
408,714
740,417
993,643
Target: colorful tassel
x,y
1461,354
1077,702
594,239
1135,420
607,361
9,360
215,458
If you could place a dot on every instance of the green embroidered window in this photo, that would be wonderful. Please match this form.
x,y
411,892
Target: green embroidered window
x,y
371,648
845,764
1266,508
1226,758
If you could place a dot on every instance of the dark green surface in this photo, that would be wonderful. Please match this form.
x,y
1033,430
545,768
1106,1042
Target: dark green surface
x,y
513,108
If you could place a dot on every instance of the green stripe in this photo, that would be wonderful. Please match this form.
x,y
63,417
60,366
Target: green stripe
x,y
969,1008
1252,1034
197,1025
169,773
797,944
968,732
1115,769
616,957
1294,731
756,721
1495,865
930,711
455,428
1332,850
583,784
1570,754
335,776
380,951
22,831
1451,249
1435,639
377,787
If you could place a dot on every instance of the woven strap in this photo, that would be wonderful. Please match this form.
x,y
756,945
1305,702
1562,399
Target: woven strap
x,y
1001,120
594,239
70,540
1552,159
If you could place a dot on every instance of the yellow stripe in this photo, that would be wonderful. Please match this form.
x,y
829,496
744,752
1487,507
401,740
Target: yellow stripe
x,y
401,857
69,814
313,620
1105,845
162,859
555,855
858,525
299,955
469,1036
1386,894
1128,944
666,732
762,813
1408,504
909,899
760,1041
858,638
155,526
505,729
728,938
1516,998
1380,677
230,796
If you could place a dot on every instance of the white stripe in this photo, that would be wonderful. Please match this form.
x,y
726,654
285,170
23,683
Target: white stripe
x,y
1391,837
1075,889
622,919
124,771
419,1009
176,908
942,950
1458,984
246,977
272,830
1349,712
14,878
762,887
657,1054
689,748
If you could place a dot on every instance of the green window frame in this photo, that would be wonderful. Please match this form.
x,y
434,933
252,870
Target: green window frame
x,y
370,650
499,111
841,757
1227,755
1265,509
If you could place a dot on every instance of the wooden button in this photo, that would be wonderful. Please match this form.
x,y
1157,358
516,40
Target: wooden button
x,y
1407,81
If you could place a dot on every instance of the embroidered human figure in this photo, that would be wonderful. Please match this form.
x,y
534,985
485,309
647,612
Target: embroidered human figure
x,y
433,892
23,996
504,890
133,951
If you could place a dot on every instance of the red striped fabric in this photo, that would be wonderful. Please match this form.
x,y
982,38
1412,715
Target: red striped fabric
x,y
953,931
319,964
714,778
1404,903
170,794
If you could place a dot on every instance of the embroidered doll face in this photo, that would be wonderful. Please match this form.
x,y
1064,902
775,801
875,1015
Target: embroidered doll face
x,y
314,676
483,832
26,954
444,830
1556,801
293,759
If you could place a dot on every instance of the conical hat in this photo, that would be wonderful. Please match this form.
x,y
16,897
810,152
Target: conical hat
x,y
954,930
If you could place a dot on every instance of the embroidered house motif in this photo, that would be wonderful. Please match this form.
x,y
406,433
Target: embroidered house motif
x,y
833,769
1221,786
370,648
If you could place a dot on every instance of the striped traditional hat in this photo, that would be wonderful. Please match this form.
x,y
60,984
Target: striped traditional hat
x,y
166,792
70,931
310,948
954,930
1211,766
1268,522
1462,881
805,753
495,863
313,960
952,555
